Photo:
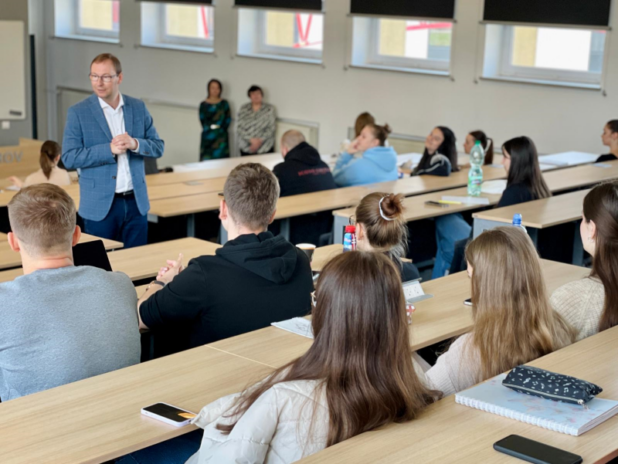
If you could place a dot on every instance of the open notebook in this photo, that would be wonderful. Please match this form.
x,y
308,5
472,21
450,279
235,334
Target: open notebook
x,y
571,419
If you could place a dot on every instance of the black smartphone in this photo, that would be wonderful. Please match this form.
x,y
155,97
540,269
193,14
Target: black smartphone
x,y
168,414
435,203
468,302
535,452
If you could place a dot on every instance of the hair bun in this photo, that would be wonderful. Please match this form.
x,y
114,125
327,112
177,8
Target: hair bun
x,y
387,128
392,205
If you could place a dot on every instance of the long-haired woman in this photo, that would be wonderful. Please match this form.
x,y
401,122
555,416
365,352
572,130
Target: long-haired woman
x,y
524,178
440,155
591,304
513,320
357,376
486,143
49,172
381,227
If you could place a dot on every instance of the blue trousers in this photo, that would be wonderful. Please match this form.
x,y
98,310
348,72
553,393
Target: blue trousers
x,y
449,229
175,451
123,223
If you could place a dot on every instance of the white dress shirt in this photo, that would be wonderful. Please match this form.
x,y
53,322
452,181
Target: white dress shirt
x,y
115,121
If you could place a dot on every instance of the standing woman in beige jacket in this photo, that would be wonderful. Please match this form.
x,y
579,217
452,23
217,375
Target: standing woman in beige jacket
x,y
357,376
49,173
590,305
513,321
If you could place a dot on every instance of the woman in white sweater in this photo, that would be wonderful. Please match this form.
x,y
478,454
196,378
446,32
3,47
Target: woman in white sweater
x,y
590,305
513,321
357,376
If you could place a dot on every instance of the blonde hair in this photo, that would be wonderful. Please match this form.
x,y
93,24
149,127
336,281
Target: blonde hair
x,y
513,320
42,218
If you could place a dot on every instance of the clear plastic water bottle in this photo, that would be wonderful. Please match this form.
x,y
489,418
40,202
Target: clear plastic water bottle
x,y
517,222
349,239
475,175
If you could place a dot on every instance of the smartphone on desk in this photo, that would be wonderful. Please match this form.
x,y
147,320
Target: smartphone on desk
x,y
468,302
168,414
436,203
535,452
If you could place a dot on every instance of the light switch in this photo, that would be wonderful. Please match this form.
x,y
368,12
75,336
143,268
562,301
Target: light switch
x,y
6,124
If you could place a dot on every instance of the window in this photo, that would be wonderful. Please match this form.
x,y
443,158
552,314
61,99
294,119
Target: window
x,y
280,34
171,25
545,54
92,19
403,44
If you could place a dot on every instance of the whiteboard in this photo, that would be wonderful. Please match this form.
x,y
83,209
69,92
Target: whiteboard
x,y
12,64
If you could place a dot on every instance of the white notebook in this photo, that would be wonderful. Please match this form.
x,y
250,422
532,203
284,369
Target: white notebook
x,y
572,419
297,325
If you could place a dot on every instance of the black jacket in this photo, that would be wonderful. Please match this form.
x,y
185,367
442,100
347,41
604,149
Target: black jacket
x,y
607,157
251,282
515,194
303,171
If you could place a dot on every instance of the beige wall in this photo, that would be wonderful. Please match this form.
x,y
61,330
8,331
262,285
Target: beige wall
x,y
558,119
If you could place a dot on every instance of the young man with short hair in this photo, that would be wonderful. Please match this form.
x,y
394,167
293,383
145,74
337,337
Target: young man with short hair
x,y
253,280
60,323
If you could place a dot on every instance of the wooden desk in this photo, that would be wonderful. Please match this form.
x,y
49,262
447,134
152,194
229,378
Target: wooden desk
x,y
3,237
450,432
210,169
323,255
537,215
10,259
98,419
144,262
436,319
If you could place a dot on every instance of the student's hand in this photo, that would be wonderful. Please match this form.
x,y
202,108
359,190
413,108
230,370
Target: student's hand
x,y
255,145
353,147
125,142
16,181
173,268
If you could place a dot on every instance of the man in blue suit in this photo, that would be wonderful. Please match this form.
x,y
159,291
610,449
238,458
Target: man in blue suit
x,y
106,137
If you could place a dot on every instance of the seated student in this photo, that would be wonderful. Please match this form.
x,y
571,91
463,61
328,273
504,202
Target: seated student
x,y
302,170
440,159
253,280
524,183
524,178
378,163
325,396
381,227
60,323
362,120
440,155
591,304
486,143
610,139
49,172
513,320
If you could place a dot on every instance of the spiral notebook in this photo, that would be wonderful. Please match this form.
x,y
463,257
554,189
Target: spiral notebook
x,y
572,419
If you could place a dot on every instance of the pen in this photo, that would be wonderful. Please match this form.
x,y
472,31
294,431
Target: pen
x,y
447,202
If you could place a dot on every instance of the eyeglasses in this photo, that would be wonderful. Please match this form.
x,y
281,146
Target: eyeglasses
x,y
314,299
105,78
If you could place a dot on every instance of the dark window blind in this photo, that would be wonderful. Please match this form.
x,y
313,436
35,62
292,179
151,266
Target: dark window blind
x,y
592,13
443,9
311,5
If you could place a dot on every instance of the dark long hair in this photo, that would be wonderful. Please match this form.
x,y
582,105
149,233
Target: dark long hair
x,y
601,206
361,350
50,150
487,144
613,125
448,148
220,87
525,167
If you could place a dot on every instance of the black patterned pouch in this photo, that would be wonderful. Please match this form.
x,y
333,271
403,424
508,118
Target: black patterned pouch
x,y
549,385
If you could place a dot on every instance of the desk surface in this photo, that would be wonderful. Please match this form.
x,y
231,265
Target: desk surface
x,y
9,259
540,214
322,201
323,255
436,319
450,432
99,419
210,169
3,237
144,262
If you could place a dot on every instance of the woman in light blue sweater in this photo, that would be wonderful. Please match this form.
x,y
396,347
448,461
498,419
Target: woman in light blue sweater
x,y
377,163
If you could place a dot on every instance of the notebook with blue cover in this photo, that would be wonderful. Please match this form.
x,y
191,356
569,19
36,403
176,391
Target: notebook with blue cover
x,y
493,397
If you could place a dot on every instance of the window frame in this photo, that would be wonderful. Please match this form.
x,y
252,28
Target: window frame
x,y
260,49
374,57
90,32
505,70
172,40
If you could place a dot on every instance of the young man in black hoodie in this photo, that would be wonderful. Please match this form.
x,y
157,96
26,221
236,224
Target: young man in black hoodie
x,y
253,280
302,170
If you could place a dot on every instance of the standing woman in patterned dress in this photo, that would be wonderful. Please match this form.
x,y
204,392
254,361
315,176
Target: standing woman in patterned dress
x,y
256,125
215,118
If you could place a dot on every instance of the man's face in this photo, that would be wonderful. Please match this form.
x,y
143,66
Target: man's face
x,y
105,90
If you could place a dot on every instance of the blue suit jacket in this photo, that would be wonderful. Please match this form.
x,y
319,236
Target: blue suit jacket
x,y
86,145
